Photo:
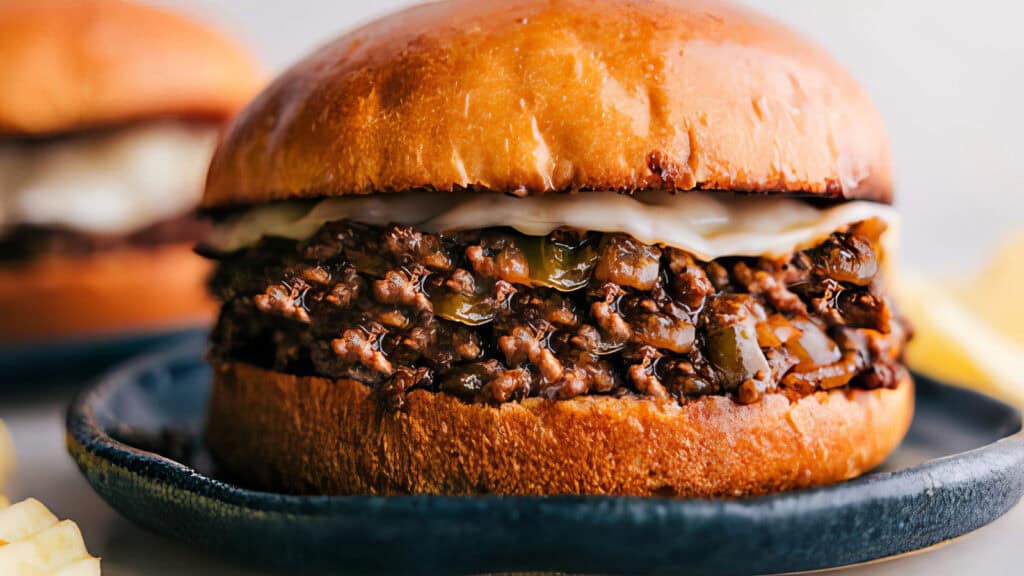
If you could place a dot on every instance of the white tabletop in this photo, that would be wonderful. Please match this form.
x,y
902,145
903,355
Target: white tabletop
x,y
46,472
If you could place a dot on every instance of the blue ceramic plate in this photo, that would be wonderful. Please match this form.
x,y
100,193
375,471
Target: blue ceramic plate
x,y
961,467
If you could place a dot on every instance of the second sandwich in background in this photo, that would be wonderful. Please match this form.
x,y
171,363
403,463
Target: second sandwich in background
x,y
109,112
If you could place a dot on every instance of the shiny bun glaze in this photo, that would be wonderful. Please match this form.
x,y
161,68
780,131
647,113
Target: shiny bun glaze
x,y
73,64
536,96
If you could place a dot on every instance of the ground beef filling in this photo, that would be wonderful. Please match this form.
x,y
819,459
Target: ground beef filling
x,y
495,316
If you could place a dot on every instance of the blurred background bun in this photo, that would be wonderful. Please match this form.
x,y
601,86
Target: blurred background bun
x,y
109,112
71,64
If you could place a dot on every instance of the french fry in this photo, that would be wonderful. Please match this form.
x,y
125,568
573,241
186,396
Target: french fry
x,y
86,567
44,552
994,294
972,332
34,543
24,519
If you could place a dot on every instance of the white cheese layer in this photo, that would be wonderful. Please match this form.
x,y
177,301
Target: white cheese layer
x,y
708,225
110,182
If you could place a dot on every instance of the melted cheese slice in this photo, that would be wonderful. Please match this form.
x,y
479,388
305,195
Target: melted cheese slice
x,y
707,225
112,182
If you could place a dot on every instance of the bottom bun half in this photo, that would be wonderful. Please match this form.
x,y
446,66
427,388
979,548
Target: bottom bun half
x,y
108,291
311,435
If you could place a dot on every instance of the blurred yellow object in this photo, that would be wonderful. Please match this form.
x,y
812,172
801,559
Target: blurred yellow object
x,y
995,295
6,454
33,542
971,334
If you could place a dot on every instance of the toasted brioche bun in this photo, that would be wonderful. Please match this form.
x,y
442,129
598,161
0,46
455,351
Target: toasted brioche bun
x,y
107,291
72,64
533,97
536,96
318,436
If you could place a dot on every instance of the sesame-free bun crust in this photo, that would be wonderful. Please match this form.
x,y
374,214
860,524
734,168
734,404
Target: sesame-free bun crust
x,y
311,435
535,96
72,64
128,289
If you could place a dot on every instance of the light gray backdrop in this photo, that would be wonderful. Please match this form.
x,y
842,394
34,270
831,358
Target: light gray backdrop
x,y
947,75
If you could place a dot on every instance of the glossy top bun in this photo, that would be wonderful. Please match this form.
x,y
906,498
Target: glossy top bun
x,y
72,64
536,96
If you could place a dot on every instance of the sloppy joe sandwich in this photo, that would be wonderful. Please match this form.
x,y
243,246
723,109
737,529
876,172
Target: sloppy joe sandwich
x,y
556,247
